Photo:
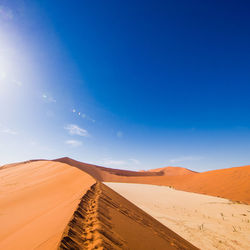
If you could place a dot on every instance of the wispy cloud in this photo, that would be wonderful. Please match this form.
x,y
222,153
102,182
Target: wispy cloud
x,y
76,130
186,158
6,13
73,143
48,98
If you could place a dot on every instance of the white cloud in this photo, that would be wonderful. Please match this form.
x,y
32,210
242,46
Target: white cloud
x,y
8,131
6,13
73,143
135,161
119,134
76,130
186,158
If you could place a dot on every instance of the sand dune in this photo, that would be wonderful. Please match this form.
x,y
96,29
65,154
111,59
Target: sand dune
x,y
62,203
50,205
231,183
36,202
207,222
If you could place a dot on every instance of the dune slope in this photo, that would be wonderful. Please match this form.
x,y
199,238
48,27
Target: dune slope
x,y
106,220
231,183
37,200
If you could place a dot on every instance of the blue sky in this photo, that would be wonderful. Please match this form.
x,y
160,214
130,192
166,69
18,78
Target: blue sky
x,y
126,84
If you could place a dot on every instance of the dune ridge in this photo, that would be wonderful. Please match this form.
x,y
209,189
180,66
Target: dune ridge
x,y
106,220
90,227
103,173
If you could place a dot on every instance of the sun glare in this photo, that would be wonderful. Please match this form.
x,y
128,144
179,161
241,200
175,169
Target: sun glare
x,y
12,65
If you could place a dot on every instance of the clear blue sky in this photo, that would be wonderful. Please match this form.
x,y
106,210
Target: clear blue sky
x,y
126,84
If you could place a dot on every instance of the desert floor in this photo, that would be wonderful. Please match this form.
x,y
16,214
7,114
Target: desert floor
x,y
205,221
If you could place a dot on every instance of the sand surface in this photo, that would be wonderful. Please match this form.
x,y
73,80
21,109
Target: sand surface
x,y
106,220
207,222
37,200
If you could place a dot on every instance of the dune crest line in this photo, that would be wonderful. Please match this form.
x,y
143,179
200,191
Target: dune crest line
x,y
106,220
90,227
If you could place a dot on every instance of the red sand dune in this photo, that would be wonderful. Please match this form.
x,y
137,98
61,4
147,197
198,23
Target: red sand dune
x,y
231,183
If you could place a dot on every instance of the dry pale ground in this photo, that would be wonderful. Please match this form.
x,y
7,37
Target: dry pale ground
x,y
205,221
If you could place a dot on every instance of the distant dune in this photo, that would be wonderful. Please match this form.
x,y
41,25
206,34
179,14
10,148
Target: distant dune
x,y
231,183
52,205
171,171
103,173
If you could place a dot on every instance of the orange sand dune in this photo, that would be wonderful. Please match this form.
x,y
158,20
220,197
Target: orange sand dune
x,y
36,202
231,183
51,205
